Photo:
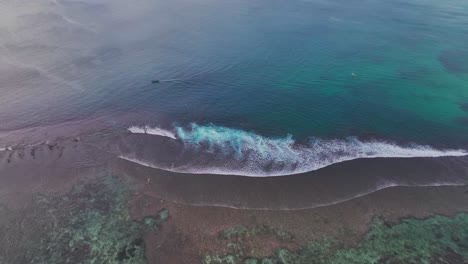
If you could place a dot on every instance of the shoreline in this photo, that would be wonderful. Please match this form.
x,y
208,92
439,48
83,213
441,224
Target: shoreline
x,y
195,224
196,229
331,185
341,182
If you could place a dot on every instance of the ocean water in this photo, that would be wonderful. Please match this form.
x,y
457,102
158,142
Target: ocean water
x,y
253,88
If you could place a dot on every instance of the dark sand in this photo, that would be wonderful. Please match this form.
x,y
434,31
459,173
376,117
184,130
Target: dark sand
x,y
202,206
193,231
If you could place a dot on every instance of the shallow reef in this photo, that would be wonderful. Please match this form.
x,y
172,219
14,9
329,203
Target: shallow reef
x,y
438,239
89,224
454,61
242,231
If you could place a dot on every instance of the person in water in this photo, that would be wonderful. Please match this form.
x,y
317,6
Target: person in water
x,y
155,81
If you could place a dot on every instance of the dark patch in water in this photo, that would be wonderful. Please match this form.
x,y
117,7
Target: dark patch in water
x,y
33,153
10,156
464,107
455,61
462,121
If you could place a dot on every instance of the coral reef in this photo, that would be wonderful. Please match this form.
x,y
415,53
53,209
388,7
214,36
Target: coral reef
x,y
242,231
438,239
89,224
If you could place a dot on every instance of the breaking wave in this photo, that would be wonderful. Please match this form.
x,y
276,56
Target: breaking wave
x,y
221,150
152,131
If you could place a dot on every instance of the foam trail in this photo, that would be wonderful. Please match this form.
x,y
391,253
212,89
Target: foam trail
x,y
152,131
221,150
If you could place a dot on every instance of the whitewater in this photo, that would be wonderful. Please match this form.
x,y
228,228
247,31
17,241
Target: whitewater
x,y
229,151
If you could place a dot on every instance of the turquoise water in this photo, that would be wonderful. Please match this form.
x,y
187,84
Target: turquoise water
x,y
388,71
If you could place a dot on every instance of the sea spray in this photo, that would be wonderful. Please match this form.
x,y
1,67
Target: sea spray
x,y
222,150
152,131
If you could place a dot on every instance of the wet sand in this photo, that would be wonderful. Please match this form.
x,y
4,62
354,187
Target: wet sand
x,y
334,184
193,231
202,206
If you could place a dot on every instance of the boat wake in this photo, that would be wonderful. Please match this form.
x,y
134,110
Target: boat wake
x,y
220,150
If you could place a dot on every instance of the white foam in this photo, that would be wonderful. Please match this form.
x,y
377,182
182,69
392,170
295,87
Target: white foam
x,y
236,152
152,131
6,149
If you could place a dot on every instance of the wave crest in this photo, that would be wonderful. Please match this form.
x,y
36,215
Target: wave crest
x,y
221,150
152,131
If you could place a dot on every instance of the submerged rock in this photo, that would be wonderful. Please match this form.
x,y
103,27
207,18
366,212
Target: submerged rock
x,y
410,241
455,61
90,224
